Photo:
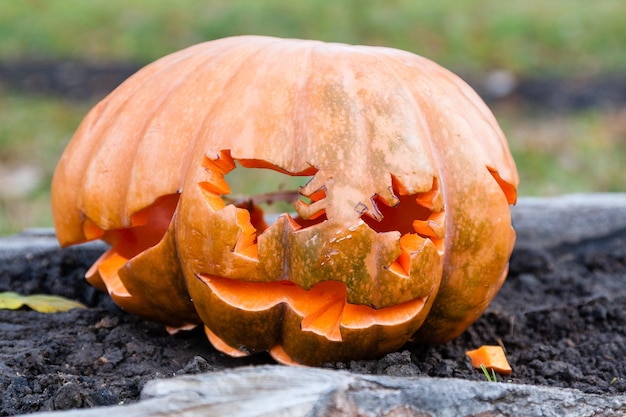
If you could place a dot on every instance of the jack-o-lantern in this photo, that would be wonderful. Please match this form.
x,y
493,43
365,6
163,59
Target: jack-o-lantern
x,y
402,233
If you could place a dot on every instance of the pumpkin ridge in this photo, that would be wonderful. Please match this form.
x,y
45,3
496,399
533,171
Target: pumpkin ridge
x,y
131,147
225,84
474,100
165,98
445,322
433,199
453,82
419,117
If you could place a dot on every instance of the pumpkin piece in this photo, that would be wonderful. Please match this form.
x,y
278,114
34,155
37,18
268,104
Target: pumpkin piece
x,y
491,357
403,232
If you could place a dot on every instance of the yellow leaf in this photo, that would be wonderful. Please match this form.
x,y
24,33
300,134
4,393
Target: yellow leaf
x,y
39,302
10,300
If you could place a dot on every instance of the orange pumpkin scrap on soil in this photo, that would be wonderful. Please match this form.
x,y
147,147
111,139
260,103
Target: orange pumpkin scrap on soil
x,y
491,357
403,232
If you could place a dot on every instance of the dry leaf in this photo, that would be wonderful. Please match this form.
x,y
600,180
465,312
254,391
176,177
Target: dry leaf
x,y
39,302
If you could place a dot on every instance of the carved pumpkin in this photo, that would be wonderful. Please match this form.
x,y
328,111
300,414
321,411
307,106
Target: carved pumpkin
x,y
403,231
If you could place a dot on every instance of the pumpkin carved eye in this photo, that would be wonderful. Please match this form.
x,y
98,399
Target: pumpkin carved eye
x,y
421,213
398,227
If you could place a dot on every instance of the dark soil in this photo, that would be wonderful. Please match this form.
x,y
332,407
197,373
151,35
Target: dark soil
x,y
561,316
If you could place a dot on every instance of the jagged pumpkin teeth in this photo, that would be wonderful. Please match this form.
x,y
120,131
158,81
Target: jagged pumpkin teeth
x,y
310,211
409,244
316,184
398,189
431,199
105,270
246,245
213,200
216,185
318,195
215,170
433,227
222,163
400,179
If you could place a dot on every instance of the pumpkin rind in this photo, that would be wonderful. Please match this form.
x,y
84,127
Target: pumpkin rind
x,y
408,205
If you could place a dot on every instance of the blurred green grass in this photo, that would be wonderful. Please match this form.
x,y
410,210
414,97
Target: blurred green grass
x,y
556,36
556,153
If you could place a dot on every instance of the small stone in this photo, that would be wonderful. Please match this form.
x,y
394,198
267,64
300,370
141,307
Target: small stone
x,y
195,366
69,396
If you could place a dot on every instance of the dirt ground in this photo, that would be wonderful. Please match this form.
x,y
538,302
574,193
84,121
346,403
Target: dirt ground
x,y
561,316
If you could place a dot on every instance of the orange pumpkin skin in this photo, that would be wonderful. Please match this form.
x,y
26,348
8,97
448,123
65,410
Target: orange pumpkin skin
x,y
403,232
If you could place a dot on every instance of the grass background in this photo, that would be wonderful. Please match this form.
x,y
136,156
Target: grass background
x,y
583,151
